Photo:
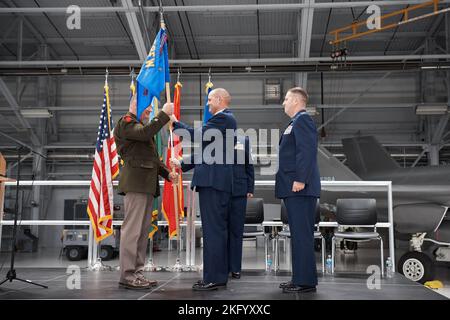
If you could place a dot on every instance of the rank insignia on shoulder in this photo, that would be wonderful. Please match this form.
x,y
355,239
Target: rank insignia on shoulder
x,y
288,130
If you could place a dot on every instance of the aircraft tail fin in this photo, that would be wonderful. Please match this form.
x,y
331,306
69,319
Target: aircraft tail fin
x,y
332,169
365,155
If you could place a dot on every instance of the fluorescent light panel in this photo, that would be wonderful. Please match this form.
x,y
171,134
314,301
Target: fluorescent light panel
x,y
426,109
36,113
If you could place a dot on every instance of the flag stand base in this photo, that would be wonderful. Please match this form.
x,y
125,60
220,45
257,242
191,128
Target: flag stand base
x,y
99,266
178,267
151,267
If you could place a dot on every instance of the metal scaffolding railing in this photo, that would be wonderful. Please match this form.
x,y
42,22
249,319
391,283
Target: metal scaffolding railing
x,y
190,223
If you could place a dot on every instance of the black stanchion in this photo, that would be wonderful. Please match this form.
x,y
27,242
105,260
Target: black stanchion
x,y
12,275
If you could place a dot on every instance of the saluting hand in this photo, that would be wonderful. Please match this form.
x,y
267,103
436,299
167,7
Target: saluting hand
x,y
297,186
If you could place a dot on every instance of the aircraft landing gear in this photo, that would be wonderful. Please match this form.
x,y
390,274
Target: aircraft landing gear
x,y
416,266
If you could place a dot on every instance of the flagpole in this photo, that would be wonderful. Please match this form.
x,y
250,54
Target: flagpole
x,y
150,265
175,201
177,266
98,264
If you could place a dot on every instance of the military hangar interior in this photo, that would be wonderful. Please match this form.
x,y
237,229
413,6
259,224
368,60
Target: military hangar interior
x,y
379,96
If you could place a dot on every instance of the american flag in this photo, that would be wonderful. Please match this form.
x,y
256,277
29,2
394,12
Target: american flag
x,y
105,169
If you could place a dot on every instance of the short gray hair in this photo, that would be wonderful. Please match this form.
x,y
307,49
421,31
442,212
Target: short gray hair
x,y
300,91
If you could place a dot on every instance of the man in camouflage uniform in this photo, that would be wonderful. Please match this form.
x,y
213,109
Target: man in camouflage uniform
x,y
139,183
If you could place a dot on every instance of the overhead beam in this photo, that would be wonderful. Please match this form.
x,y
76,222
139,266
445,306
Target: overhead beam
x,y
8,122
440,129
135,29
242,70
39,37
222,39
20,40
54,85
34,31
419,157
434,28
248,70
7,32
16,108
304,32
15,164
218,62
203,8
17,141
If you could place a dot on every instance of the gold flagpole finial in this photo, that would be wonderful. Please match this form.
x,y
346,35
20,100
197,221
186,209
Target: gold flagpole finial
x,y
106,76
178,74
209,84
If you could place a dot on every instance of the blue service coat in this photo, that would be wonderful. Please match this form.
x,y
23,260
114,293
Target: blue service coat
x,y
215,175
243,170
297,158
243,183
214,183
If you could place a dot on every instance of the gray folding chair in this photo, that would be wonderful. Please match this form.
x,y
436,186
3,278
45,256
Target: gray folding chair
x,y
254,217
357,213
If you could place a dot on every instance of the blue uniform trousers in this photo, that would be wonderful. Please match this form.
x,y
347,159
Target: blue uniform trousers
x,y
301,217
238,207
214,209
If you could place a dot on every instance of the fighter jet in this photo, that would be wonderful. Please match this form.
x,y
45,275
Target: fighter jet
x,y
421,198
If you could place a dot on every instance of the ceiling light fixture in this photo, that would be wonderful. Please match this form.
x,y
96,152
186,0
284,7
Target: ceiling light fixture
x,y
431,109
36,113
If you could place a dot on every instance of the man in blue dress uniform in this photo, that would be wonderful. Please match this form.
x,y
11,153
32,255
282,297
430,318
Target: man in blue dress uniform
x,y
298,184
213,180
243,188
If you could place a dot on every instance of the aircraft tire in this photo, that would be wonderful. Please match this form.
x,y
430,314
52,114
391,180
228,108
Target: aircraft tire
x,y
416,266
74,253
106,253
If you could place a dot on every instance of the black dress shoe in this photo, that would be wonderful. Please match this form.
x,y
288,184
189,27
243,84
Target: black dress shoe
x,y
236,275
299,289
286,284
202,286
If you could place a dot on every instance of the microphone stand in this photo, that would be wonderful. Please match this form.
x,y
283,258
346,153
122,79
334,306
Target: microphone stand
x,y
11,275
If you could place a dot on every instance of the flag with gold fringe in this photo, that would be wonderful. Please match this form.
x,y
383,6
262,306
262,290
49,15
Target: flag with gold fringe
x,y
168,203
154,73
105,169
